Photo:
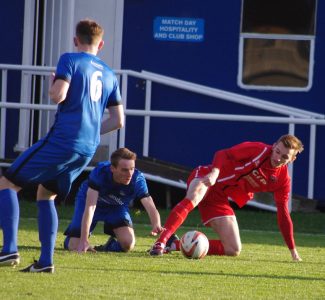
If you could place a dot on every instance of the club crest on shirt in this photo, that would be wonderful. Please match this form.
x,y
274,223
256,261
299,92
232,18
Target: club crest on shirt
x,y
273,178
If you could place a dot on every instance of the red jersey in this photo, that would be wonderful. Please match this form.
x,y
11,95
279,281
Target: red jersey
x,y
245,169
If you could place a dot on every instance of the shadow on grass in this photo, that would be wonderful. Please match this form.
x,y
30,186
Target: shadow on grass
x,y
27,248
221,273
176,257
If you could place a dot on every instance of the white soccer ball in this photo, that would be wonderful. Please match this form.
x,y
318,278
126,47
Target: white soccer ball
x,y
194,244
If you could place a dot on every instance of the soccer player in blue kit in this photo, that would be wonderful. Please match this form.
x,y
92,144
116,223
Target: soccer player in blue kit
x,y
83,87
105,196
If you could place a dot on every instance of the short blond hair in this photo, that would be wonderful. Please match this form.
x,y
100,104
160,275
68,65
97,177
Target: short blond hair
x,y
291,142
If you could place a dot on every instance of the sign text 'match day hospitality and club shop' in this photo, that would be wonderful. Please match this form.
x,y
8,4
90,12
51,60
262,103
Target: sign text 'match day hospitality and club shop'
x,y
178,29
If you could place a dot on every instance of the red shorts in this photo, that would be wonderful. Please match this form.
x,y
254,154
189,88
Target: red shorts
x,y
215,204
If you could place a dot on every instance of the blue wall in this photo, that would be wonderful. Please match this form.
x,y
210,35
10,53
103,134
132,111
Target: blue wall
x,y
11,53
213,62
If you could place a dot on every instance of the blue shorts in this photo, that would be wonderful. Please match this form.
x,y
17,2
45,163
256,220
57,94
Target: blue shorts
x,y
113,216
46,164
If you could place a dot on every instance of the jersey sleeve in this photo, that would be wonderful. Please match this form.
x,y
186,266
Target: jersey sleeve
x,y
219,158
115,96
64,68
141,188
94,178
241,152
281,197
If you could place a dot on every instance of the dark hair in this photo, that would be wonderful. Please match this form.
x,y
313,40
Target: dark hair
x,y
122,153
89,32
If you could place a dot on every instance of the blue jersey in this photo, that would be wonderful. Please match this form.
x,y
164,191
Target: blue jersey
x,y
93,87
113,200
111,193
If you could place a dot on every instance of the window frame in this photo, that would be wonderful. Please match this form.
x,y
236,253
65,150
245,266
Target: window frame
x,y
295,37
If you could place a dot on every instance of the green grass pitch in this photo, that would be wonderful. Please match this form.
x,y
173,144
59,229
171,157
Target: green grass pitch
x,y
264,269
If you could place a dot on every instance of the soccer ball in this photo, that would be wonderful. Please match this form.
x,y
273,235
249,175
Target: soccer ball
x,y
194,244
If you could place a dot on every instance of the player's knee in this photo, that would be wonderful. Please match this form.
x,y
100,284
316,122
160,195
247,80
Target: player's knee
x,y
6,184
233,250
232,253
127,246
236,253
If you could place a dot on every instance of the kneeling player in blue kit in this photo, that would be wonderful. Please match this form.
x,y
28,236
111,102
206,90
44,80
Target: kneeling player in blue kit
x,y
105,196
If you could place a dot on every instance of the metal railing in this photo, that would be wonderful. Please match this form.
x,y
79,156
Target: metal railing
x,y
291,115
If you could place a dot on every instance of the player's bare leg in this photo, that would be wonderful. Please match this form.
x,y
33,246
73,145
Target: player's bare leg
x,y
125,237
195,193
228,231
6,184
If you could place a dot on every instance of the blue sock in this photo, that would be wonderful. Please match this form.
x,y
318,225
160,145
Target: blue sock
x,y
66,243
47,228
9,220
114,246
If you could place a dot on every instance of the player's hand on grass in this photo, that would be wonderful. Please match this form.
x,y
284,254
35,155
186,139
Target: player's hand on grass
x,y
91,249
295,255
83,246
156,230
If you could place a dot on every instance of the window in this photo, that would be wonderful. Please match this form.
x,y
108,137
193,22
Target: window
x,y
277,44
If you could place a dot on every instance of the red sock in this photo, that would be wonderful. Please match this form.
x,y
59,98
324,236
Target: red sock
x,y
216,248
177,247
175,219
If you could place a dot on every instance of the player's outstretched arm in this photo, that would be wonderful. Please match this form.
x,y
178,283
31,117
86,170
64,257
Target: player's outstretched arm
x,y
87,219
153,214
58,90
115,120
285,222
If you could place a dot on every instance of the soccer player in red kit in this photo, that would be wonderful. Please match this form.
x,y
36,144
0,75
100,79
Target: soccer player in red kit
x,y
237,172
